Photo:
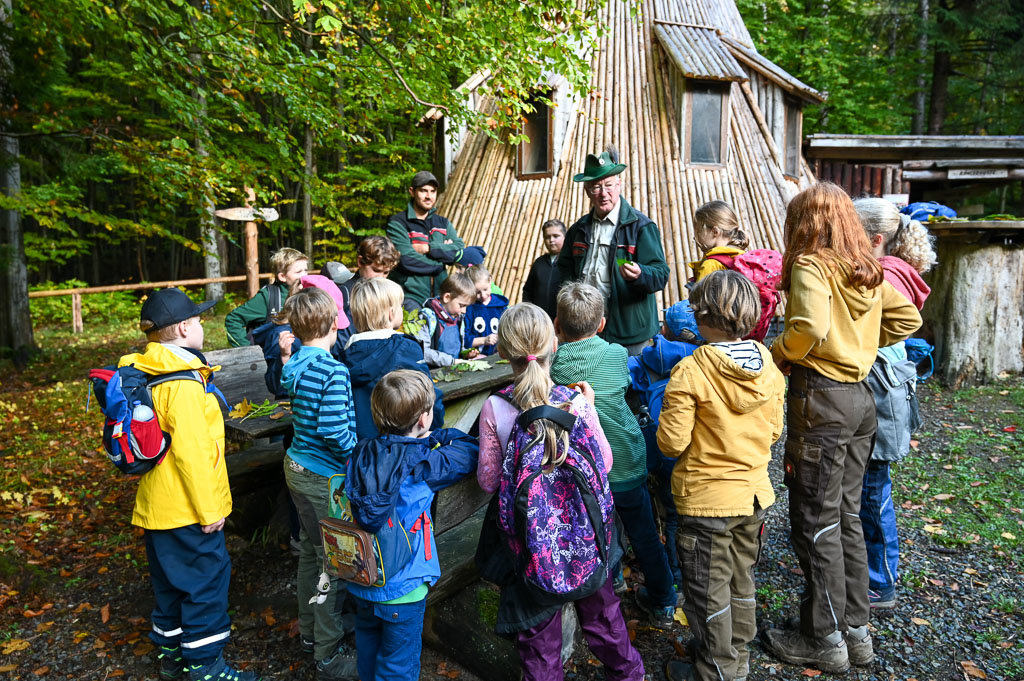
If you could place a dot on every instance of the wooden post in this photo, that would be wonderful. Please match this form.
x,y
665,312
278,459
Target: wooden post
x,y
252,264
76,313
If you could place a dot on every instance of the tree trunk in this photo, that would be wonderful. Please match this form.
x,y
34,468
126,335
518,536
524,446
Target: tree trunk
x,y
976,310
920,96
207,221
941,69
307,201
15,319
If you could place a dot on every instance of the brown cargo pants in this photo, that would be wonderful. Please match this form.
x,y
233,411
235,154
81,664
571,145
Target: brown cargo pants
x,y
831,428
717,557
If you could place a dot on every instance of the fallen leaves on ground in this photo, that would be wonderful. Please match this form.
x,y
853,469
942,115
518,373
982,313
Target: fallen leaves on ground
x,y
973,670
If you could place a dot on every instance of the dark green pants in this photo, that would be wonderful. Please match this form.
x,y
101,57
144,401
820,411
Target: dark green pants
x,y
831,435
717,556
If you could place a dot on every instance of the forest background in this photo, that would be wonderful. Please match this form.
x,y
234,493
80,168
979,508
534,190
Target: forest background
x,y
124,123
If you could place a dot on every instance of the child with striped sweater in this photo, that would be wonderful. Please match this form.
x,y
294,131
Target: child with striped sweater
x,y
324,420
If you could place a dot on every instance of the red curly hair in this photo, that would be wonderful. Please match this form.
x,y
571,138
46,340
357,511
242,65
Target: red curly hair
x,y
822,221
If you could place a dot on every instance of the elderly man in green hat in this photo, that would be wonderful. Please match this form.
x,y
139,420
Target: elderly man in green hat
x,y
617,249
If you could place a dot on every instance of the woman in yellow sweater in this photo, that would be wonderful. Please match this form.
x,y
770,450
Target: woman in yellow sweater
x,y
840,309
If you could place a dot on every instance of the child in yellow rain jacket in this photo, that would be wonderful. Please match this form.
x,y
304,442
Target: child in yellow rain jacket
x,y
717,233
182,503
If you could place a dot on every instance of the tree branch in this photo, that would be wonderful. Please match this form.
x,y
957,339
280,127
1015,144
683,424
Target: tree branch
x,y
394,70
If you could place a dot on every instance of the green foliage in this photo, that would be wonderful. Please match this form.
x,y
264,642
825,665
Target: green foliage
x,y
132,116
122,306
864,56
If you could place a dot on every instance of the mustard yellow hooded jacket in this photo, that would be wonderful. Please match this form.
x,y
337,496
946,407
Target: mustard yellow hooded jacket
x,y
191,484
706,265
835,328
720,421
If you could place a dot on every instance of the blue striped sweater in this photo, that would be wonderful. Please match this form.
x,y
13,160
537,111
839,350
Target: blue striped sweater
x,y
322,411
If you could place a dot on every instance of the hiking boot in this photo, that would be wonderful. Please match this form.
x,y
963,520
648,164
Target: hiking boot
x,y
882,598
828,654
172,664
661,617
338,667
308,644
219,670
859,647
677,670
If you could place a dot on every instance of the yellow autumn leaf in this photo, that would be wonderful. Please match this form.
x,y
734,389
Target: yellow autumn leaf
x,y
1008,535
241,409
934,529
920,621
14,645
680,617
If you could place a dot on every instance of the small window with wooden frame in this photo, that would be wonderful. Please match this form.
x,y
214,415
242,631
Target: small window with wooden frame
x,y
534,158
705,124
792,137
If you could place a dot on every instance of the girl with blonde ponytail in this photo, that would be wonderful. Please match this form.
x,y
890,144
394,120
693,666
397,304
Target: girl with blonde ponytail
x,y
526,338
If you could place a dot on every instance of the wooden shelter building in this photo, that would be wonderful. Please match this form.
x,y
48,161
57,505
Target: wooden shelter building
x,y
696,113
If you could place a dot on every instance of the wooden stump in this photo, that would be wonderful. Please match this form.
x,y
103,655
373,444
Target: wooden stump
x,y
976,310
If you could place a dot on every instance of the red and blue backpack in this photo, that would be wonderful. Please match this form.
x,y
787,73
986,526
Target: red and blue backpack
x,y
559,523
132,436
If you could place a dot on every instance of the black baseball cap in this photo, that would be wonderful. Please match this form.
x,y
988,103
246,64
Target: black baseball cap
x,y
169,306
424,177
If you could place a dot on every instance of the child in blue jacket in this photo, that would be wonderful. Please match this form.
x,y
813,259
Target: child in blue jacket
x,y
649,372
482,316
378,348
396,475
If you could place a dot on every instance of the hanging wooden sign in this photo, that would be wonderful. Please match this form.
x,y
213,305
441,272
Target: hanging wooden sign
x,y
247,214
978,173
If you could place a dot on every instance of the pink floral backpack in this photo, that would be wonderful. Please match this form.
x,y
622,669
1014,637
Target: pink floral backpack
x,y
762,266
558,523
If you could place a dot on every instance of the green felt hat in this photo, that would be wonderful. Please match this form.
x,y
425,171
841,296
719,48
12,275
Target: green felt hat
x,y
598,167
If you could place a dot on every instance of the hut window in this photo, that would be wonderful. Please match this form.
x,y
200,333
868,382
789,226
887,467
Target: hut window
x,y
533,158
706,105
794,122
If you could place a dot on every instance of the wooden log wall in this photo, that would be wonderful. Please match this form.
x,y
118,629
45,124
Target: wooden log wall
x,y
865,179
635,107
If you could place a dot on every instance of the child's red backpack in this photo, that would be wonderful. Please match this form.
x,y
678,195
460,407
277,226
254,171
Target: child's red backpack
x,y
762,266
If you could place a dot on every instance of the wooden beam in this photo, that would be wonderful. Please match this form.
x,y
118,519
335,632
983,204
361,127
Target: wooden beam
x,y
252,262
938,175
926,164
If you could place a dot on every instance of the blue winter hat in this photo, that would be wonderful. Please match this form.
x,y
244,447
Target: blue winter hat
x,y
681,323
472,256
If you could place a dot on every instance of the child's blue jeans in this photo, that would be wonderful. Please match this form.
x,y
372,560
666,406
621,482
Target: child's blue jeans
x,y
660,468
878,518
389,639
634,509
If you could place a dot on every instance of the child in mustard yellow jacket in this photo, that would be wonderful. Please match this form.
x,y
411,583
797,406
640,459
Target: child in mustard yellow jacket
x,y
182,503
716,231
721,413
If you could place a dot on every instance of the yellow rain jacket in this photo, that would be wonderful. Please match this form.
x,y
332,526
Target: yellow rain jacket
x,y
836,329
191,484
720,421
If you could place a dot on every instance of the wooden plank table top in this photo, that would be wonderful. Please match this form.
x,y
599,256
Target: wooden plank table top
x,y
241,377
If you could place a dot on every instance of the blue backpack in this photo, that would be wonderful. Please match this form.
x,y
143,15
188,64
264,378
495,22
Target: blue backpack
x,y
922,211
919,350
132,436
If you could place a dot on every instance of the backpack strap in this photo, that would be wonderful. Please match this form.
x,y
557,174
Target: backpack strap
x,y
273,300
186,375
545,411
726,260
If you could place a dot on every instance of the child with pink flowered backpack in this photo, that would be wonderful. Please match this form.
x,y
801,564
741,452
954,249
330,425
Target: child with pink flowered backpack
x,y
724,245
543,452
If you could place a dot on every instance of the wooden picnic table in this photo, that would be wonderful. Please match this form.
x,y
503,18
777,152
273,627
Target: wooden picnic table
x,y
241,377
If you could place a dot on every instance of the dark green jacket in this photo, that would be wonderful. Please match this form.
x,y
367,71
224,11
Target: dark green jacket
x,y
250,314
632,311
420,275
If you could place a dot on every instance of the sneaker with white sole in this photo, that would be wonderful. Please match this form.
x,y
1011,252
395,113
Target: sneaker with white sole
x,y
829,653
882,598
859,646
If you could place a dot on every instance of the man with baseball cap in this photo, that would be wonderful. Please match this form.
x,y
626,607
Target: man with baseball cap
x,y
426,242
616,249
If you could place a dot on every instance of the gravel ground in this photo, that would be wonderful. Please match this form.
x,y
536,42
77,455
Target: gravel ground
x,y
959,614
